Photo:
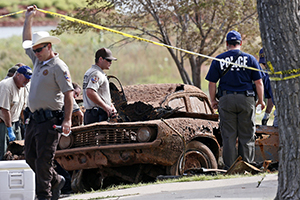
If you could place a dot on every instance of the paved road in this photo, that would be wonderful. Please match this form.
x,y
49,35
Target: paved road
x,y
235,188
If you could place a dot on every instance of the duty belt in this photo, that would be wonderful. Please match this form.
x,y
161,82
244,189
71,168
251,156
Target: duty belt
x,y
43,115
248,93
233,92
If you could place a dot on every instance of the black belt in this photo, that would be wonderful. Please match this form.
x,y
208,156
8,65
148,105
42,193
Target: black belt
x,y
96,111
233,92
248,93
44,115
95,108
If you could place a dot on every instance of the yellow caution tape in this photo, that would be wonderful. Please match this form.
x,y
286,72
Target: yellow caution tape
x,y
285,78
290,71
165,45
270,66
141,39
11,14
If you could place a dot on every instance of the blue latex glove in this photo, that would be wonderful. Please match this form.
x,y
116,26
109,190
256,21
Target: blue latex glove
x,y
11,134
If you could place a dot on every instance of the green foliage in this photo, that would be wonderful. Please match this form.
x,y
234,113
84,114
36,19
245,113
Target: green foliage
x,y
197,26
52,9
67,5
137,63
4,4
13,8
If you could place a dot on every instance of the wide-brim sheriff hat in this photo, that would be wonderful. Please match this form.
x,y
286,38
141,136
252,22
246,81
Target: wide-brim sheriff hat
x,y
40,37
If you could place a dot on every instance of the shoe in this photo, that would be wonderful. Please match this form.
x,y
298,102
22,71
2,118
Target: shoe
x,y
57,187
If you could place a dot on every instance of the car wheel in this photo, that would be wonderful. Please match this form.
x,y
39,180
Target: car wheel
x,y
197,155
86,180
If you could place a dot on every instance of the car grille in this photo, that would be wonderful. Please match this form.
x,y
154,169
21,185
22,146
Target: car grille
x,y
105,136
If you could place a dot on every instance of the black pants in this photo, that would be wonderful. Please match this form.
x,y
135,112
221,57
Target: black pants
x,y
40,145
94,115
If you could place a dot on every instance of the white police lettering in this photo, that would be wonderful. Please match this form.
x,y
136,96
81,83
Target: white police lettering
x,y
222,64
242,60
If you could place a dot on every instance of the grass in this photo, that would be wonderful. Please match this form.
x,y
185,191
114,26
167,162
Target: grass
x,y
183,179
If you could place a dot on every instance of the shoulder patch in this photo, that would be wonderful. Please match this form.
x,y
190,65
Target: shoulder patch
x,y
95,79
67,76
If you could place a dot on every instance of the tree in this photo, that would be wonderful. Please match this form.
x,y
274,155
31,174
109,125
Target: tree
x,y
195,25
279,26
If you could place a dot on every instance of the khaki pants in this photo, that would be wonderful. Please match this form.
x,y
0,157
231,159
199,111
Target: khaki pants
x,y
237,120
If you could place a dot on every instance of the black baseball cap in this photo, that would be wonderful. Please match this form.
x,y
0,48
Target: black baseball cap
x,y
104,53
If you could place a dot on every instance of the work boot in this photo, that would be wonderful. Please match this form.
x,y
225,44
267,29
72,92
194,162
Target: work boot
x,y
57,187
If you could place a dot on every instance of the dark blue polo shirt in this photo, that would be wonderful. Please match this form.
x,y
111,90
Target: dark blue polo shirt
x,y
267,87
238,78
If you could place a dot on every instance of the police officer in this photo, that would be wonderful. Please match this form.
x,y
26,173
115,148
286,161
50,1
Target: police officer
x,y
51,89
96,93
237,102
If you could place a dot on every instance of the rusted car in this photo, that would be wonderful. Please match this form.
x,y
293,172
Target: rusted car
x,y
266,144
162,129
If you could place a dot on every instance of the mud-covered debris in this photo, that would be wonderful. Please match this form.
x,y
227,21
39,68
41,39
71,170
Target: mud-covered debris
x,y
15,151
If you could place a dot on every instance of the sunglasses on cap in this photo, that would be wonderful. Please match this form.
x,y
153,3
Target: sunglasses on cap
x,y
28,73
38,50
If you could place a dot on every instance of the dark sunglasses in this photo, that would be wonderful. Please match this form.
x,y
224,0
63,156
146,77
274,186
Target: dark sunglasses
x,y
108,60
38,50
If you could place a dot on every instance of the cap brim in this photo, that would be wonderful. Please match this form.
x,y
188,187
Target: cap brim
x,y
111,58
27,76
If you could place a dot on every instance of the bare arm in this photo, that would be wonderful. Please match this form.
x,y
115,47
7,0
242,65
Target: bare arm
x,y
212,93
27,32
93,96
7,117
269,105
68,104
260,93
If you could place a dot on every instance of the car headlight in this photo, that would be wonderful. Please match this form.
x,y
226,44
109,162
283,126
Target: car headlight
x,y
66,142
145,134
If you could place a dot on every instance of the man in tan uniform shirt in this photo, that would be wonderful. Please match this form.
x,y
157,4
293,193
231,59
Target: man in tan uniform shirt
x,y
14,91
96,93
51,89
